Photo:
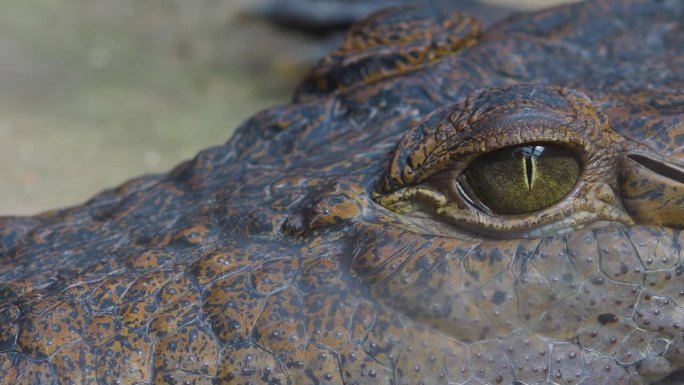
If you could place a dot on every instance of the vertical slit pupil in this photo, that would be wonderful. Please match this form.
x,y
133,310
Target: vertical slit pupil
x,y
531,154
528,170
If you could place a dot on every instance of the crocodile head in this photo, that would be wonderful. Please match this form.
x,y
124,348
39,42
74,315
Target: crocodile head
x,y
437,206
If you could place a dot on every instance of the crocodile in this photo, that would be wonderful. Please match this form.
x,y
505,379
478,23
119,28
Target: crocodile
x,y
437,205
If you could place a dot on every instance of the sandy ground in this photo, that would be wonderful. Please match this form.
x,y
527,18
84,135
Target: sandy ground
x,y
94,92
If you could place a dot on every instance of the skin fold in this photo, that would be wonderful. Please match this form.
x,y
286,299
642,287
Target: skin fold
x,y
330,242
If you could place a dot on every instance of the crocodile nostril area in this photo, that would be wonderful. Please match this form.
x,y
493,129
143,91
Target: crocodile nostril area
x,y
652,190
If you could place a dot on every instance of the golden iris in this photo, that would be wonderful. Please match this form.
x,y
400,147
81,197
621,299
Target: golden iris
x,y
521,179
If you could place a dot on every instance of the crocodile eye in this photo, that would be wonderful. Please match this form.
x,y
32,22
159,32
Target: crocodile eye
x,y
521,179
521,161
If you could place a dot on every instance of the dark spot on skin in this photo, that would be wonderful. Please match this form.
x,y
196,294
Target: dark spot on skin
x,y
607,318
624,269
498,297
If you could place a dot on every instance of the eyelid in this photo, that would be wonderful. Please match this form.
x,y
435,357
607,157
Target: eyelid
x,y
453,135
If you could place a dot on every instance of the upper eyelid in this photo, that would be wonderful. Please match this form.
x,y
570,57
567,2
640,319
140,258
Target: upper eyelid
x,y
455,134
460,156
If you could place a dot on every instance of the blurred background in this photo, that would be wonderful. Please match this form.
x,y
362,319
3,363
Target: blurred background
x,y
94,92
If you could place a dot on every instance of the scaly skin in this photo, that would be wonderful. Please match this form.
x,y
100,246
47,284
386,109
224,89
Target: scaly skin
x,y
315,248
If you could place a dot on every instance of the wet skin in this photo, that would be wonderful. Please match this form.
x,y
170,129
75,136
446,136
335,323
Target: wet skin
x,y
334,240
